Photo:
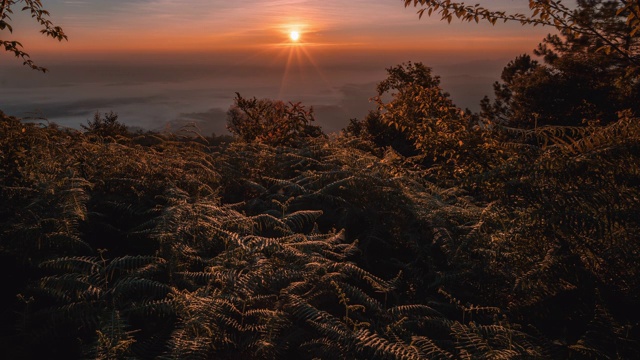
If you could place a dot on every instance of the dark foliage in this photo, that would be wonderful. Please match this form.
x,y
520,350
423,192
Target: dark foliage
x,y
151,246
579,82
106,125
271,122
374,129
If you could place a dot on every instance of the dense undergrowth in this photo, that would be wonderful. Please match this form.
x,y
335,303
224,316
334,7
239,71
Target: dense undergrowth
x,y
157,246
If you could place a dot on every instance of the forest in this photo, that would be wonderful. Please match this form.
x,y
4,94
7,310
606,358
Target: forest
x,y
422,231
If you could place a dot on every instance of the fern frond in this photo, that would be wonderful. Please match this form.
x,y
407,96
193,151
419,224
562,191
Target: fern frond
x,y
84,314
299,220
429,349
358,296
267,222
133,287
379,347
162,308
469,341
73,264
114,341
70,287
375,282
324,348
415,309
288,187
133,264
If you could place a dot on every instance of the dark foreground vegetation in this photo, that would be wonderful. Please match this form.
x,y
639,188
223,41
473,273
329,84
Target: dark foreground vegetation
x,y
486,242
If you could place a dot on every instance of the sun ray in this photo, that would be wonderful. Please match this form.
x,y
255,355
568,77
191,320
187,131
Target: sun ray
x,y
285,75
316,67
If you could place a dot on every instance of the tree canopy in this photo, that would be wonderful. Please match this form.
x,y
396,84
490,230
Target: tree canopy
x,y
548,13
575,84
590,68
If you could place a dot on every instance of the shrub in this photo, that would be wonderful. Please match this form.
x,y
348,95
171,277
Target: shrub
x,y
106,125
271,122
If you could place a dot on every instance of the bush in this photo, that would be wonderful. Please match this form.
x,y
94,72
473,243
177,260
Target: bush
x,y
271,122
106,125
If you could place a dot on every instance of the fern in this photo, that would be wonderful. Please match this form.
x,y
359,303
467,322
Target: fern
x,y
162,247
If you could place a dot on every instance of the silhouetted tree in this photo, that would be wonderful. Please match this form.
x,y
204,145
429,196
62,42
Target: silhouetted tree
x,y
551,13
40,15
502,109
373,129
576,83
105,125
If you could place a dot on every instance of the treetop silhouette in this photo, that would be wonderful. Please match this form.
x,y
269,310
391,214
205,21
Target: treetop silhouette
x,y
546,13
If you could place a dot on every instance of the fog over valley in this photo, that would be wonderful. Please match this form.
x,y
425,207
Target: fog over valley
x,y
165,93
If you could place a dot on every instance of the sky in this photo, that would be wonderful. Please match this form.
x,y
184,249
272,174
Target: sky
x,y
163,63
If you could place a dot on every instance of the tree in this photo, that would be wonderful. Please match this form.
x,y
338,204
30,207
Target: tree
x,y
502,109
577,82
446,137
40,15
549,13
373,128
271,122
106,125
420,108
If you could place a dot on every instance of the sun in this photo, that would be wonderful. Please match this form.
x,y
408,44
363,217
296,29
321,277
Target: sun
x,y
294,36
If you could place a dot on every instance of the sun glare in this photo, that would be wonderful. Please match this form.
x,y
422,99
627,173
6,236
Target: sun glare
x,y
294,35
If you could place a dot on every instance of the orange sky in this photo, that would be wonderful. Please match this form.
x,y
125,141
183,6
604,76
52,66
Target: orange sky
x,y
118,26
159,62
